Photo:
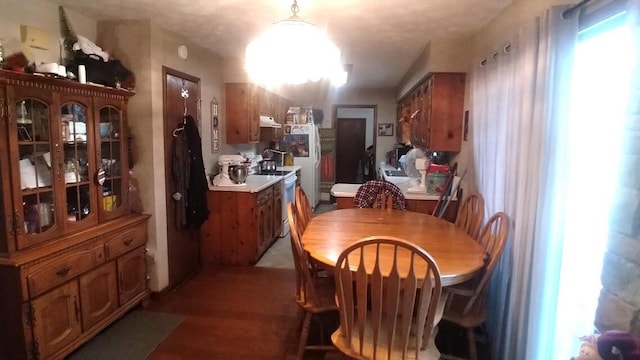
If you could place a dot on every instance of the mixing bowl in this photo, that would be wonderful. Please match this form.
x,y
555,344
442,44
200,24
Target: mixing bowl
x,y
238,173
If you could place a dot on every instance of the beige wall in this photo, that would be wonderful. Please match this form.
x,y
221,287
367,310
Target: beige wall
x,y
145,47
42,15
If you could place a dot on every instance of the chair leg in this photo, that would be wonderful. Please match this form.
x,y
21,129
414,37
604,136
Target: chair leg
x,y
471,338
304,335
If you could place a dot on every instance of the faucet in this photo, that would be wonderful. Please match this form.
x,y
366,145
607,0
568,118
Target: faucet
x,y
278,152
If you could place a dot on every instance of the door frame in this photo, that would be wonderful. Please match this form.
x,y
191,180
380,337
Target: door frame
x,y
193,98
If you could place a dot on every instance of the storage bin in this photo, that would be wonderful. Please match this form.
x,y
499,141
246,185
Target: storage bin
x,y
436,183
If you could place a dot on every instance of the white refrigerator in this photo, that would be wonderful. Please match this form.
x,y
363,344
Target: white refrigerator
x,y
302,141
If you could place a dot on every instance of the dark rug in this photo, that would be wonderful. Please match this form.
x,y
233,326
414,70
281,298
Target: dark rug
x,y
133,337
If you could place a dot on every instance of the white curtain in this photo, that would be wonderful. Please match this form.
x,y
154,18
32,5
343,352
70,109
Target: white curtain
x,y
518,103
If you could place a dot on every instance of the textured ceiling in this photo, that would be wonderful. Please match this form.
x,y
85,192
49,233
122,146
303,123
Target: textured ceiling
x,y
381,38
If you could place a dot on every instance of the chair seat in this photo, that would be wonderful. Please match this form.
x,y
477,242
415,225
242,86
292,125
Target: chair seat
x,y
325,293
340,342
455,309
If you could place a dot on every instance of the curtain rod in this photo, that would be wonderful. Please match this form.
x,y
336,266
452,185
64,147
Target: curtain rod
x,y
567,13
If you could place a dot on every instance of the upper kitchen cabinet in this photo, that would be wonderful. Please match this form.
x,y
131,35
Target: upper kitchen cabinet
x,y
434,112
243,113
245,104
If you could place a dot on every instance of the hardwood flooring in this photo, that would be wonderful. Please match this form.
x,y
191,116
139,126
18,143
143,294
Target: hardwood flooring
x,y
233,313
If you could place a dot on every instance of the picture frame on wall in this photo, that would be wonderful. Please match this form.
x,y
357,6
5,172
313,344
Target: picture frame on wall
x,y
385,129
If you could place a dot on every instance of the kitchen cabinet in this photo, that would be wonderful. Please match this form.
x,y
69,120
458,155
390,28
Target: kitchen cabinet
x,y
434,112
243,112
241,225
64,181
245,104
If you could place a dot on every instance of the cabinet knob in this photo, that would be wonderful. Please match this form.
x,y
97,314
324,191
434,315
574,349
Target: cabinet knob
x,y
128,242
64,271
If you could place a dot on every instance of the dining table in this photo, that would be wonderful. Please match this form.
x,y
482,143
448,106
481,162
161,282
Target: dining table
x,y
458,256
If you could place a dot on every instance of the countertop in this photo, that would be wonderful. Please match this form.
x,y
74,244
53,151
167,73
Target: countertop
x,y
403,182
256,183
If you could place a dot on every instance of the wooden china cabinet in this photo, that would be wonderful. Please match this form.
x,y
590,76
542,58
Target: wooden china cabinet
x,y
72,257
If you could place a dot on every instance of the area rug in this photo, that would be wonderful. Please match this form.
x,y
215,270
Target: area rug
x,y
133,337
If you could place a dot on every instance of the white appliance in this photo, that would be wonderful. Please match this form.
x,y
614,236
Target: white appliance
x,y
222,179
289,191
302,141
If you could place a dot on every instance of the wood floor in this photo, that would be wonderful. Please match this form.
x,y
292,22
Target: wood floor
x,y
233,313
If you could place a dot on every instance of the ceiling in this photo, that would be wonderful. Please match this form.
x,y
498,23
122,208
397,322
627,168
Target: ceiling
x,y
380,38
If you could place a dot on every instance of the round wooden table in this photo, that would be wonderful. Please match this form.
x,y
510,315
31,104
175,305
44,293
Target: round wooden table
x,y
458,256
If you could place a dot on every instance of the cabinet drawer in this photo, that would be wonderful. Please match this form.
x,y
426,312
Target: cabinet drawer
x,y
121,242
50,274
265,195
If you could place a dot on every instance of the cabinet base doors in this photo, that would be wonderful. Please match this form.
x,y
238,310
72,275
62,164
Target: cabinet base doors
x,y
56,319
132,273
99,294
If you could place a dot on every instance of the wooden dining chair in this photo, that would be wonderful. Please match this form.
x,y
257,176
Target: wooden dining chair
x,y
470,215
466,304
314,294
374,193
387,305
304,207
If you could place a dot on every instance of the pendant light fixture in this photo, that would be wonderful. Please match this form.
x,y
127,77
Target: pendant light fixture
x,y
293,51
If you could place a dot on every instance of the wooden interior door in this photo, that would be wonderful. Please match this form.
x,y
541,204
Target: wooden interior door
x,y
350,149
182,243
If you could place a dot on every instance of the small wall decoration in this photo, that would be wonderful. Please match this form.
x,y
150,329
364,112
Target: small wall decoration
x,y
215,131
385,129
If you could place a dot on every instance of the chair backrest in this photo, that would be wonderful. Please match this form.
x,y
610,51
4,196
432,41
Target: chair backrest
x,y
471,214
493,237
304,207
387,305
373,193
305,288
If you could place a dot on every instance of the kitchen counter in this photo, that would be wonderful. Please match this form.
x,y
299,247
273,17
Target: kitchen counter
x,y
420,202
256,183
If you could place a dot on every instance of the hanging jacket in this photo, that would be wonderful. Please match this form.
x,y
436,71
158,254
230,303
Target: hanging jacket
x,y
189,176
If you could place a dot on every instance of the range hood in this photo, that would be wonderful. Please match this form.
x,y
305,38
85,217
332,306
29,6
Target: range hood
x,y
269,122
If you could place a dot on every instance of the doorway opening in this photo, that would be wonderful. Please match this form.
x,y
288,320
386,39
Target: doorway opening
x,y
355,143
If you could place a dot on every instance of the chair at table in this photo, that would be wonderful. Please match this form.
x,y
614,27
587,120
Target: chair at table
x,y
314,294
374,194
466,304
388,313
470,215
304,207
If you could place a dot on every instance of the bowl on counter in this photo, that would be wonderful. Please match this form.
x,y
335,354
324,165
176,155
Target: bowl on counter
x,y
238,173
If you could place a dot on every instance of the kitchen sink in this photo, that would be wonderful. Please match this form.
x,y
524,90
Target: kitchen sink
x,y
394,173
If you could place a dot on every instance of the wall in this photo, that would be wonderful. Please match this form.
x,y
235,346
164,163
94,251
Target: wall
x,y
42,15
145,47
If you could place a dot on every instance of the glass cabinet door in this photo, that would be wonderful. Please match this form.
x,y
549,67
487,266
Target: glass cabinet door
x,y
35,175
76,141
112,162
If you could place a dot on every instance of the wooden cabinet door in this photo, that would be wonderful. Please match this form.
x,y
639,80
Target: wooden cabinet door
x,y
132,275
33,203
77,162
110,132
261,211
98,294
56,319
253,117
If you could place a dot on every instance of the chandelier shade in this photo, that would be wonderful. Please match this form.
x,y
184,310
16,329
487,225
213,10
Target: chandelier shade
x,y
293,51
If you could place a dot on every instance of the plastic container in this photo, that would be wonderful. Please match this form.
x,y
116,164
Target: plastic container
x,y
436,183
